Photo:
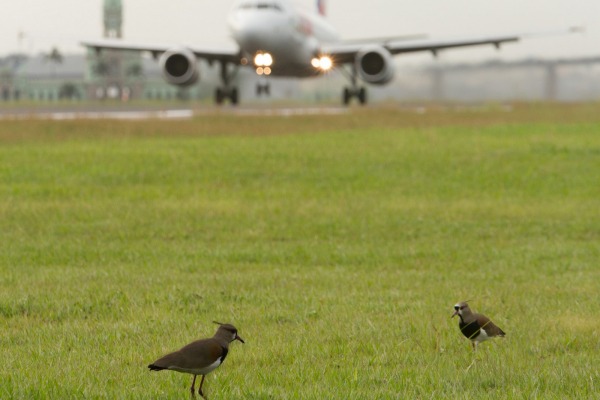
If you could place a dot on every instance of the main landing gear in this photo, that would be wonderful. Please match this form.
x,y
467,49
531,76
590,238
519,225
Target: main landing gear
x,y
359,93
353,91
226,91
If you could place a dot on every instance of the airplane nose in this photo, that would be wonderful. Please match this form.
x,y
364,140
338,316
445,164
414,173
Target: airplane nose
x,y
252,33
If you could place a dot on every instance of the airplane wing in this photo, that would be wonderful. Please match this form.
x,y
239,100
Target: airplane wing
x,y
231,55
384,39
345,53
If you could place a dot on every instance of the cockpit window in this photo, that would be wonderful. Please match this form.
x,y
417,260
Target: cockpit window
x,y
260,6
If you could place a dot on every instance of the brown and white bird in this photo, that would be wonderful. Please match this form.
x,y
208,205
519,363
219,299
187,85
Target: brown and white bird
x,y
200,357
476,327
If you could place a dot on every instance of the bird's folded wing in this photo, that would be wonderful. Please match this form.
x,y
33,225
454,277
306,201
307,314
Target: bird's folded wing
x,y
490,328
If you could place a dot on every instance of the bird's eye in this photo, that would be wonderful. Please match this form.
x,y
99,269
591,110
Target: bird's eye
x,y
462,307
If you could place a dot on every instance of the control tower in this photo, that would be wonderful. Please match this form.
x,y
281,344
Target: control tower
x,y
114,74
113,19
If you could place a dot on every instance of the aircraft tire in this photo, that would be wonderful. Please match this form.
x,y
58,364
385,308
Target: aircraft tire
x,y
234,96
362,95
219,96
346,96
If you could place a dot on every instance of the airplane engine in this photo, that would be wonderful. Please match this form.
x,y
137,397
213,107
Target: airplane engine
x,y
375,65
179,67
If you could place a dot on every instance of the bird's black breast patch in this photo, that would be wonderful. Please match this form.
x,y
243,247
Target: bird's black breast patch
x,y
470,330
224,351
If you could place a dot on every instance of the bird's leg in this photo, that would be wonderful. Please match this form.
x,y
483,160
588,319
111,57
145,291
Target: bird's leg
x,y
192,388
200,388
474,346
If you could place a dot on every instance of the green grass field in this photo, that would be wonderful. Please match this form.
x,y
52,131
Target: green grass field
x,y
337,245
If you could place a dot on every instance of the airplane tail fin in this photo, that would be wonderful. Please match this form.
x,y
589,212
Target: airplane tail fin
x,y
321,7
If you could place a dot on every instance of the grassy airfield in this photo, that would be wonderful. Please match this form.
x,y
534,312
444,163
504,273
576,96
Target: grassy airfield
x,y
336,244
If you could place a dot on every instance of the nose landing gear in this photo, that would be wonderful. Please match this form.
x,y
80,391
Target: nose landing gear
x,y
224,93
263,86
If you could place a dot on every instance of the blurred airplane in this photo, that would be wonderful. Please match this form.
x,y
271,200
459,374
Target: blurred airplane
x,y
278,39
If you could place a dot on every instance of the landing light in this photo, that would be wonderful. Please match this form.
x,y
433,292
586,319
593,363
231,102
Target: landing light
x,y
323,63
326,63
263,71
263,60
268,60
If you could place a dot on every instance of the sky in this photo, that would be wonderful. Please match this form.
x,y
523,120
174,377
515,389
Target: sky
x,y
35,26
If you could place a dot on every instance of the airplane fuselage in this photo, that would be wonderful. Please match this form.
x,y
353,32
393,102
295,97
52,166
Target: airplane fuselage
x,y
289,36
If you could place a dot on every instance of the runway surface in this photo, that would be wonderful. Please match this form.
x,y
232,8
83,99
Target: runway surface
x,y
145,114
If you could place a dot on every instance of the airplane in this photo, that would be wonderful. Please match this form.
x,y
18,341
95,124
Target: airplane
x,y
276,38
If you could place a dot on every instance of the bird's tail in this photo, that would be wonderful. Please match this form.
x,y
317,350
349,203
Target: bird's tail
x,y
154,367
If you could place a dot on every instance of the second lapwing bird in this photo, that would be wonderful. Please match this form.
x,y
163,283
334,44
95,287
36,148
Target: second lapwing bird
x,y
200,357
476,327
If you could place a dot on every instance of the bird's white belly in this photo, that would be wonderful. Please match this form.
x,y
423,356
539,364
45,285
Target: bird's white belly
x,y
197,371
482,336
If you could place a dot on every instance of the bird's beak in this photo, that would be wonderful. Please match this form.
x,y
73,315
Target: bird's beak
x,y
239,338
455,314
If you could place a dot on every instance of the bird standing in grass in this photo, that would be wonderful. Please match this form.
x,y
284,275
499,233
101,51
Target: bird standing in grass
x,y
200,357
476,327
